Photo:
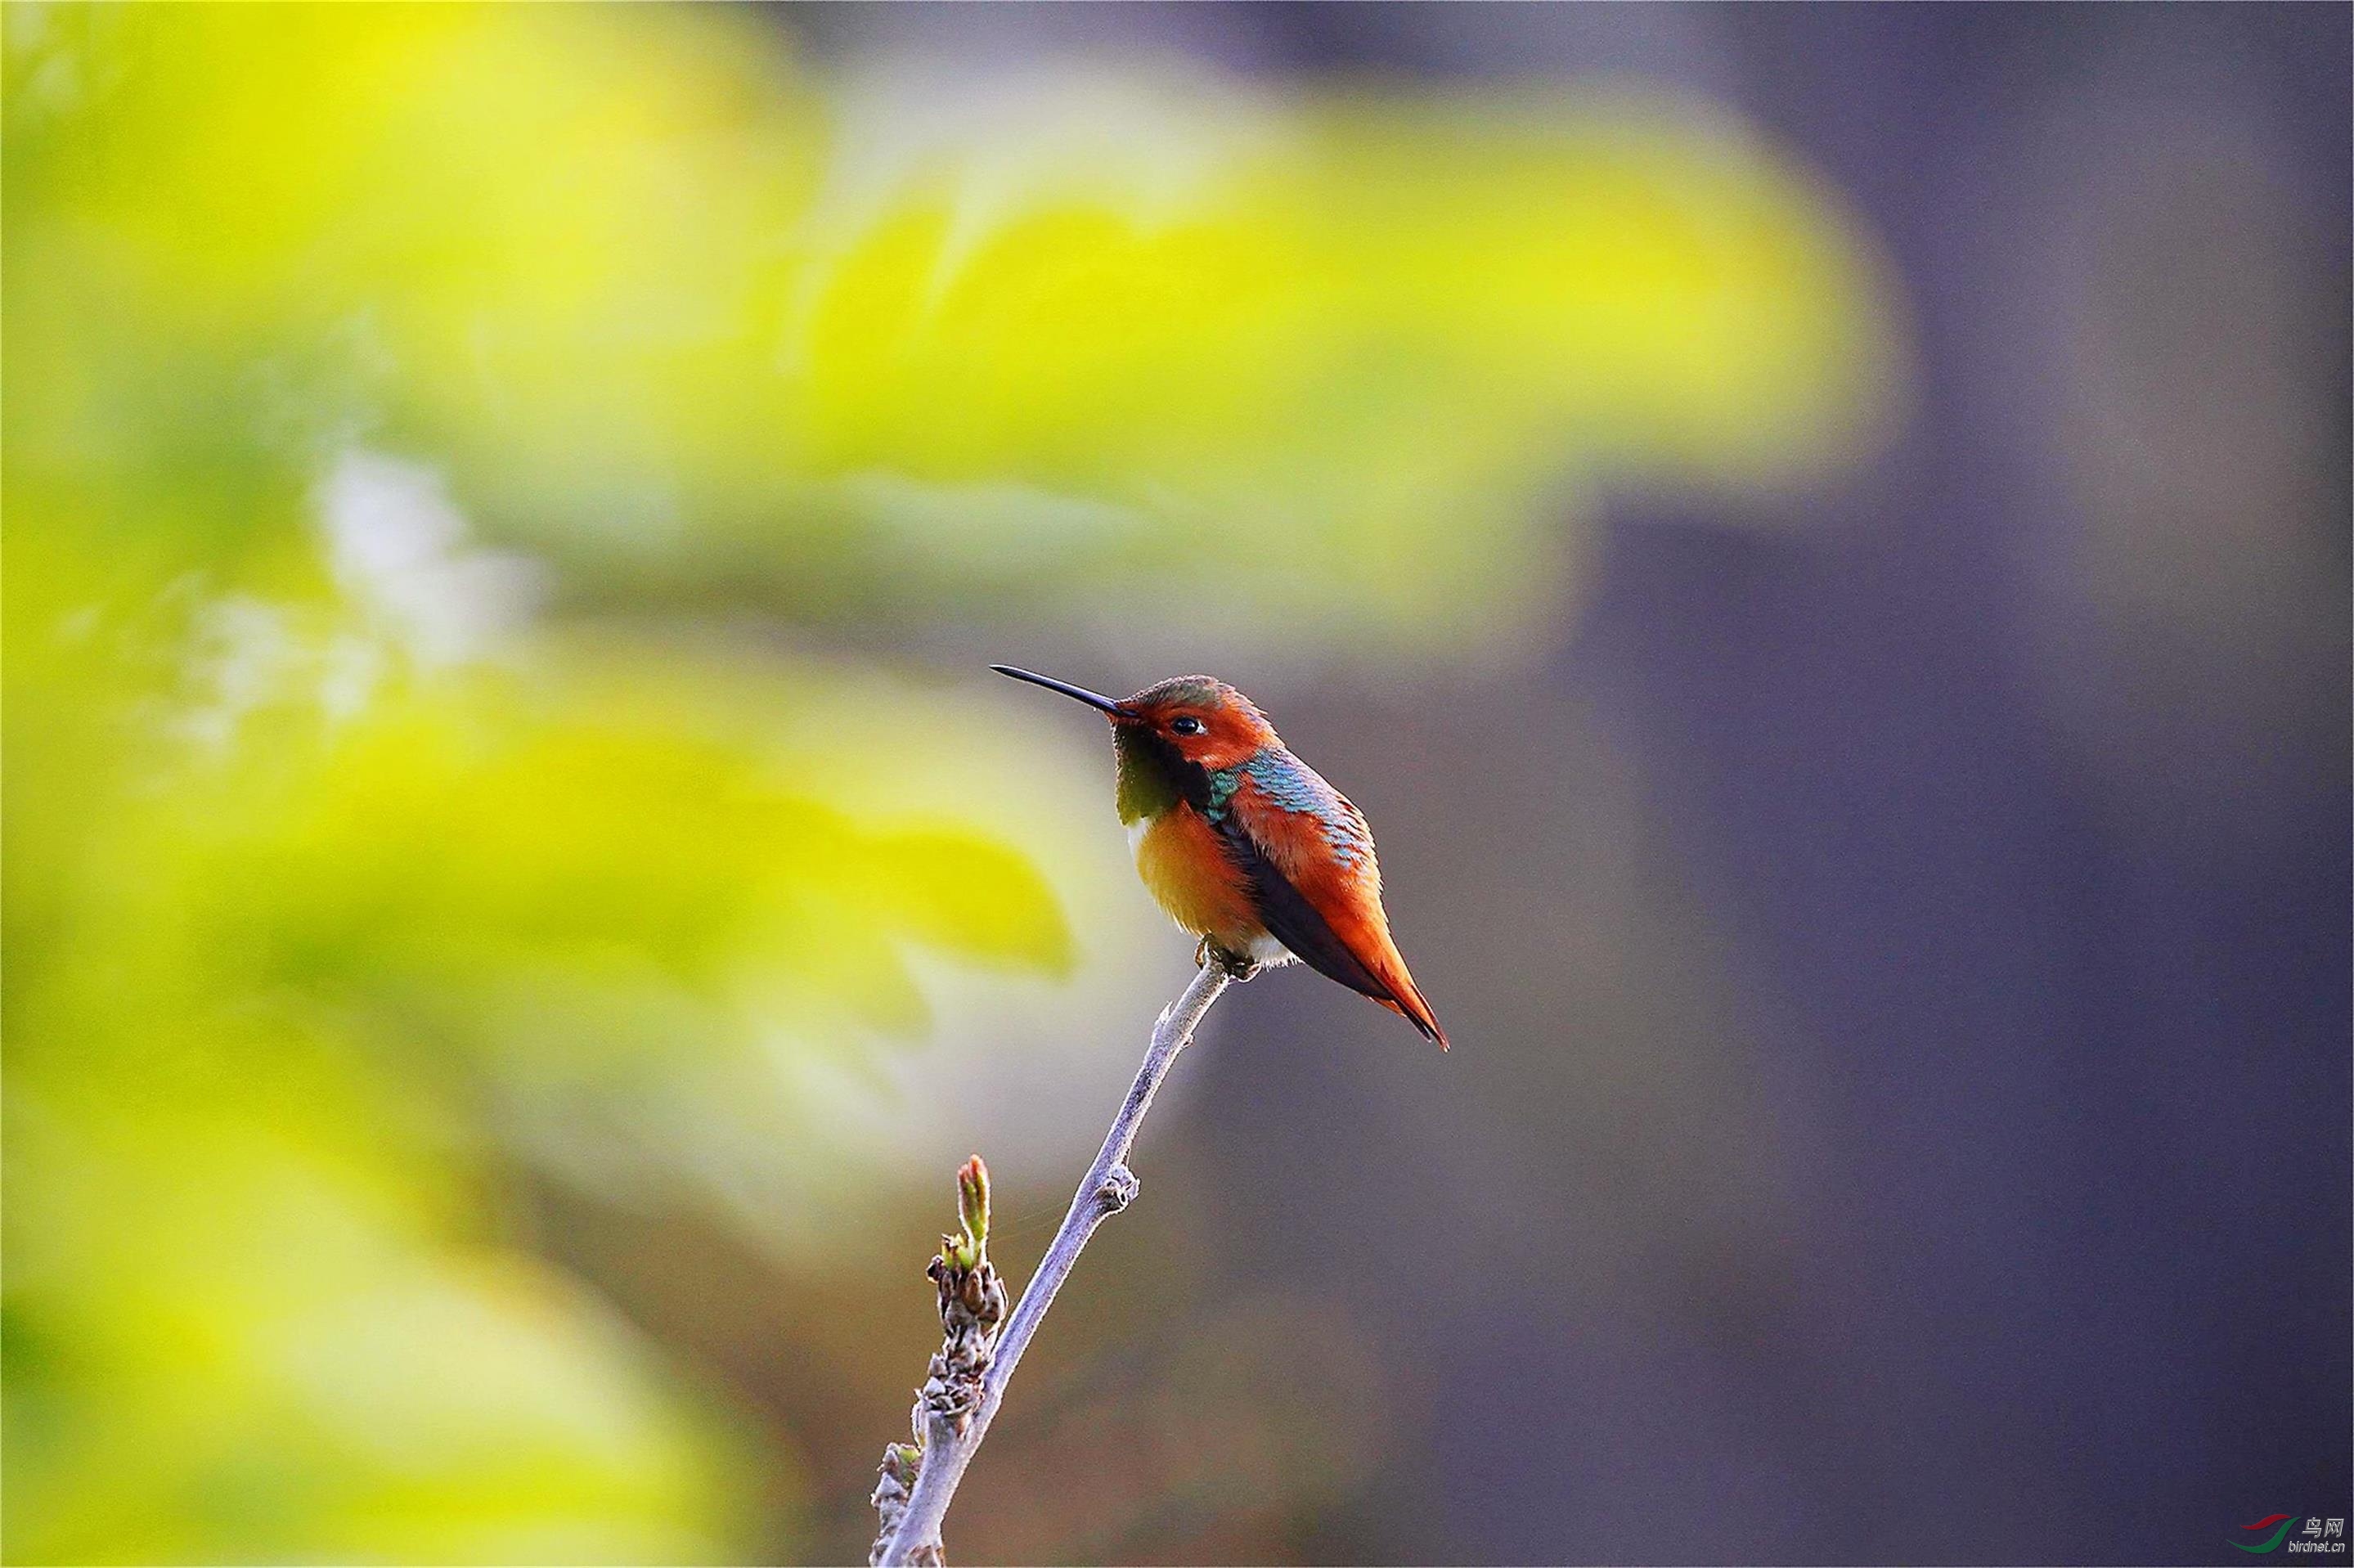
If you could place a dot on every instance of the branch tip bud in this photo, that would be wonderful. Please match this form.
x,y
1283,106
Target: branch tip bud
x,y
972,1201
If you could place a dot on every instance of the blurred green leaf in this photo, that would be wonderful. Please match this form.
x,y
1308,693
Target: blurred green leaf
x,y
1126,338
254,988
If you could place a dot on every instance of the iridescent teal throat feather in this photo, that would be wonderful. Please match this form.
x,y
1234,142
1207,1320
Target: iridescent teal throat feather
x,y
1222,784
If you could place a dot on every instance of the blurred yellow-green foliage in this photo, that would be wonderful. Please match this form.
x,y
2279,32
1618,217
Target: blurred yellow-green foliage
x,y
420,421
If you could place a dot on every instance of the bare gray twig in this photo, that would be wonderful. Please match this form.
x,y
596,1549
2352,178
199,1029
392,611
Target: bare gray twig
x,y
968,1378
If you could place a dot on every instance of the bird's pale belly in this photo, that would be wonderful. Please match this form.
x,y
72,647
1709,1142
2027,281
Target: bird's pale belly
x,y
1185,867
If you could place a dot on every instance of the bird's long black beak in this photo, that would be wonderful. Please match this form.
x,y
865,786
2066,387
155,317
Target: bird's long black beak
x,y
1093,699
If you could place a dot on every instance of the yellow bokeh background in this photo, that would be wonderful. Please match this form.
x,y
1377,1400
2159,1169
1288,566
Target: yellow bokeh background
x,y
459,462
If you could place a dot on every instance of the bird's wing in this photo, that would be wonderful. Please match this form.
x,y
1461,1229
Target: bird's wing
x,y
1317,886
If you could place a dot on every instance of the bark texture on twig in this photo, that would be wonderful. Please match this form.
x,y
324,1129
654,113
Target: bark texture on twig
x,y
967,1378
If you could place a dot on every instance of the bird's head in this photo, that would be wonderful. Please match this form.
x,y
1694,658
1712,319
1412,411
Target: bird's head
x,y
1204,720
1188,722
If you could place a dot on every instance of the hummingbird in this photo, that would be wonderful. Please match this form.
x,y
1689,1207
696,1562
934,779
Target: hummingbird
x,y
1244,844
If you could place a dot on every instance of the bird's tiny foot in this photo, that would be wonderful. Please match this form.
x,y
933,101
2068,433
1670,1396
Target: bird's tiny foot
x,y
1237,966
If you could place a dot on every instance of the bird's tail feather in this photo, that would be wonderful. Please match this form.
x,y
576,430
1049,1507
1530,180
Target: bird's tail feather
x,y
1405,1000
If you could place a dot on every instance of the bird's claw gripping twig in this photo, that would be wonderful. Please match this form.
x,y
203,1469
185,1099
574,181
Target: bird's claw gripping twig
x,y
1234,965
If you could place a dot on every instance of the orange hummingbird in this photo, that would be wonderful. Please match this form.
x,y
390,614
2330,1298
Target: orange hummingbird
x,y
1247,846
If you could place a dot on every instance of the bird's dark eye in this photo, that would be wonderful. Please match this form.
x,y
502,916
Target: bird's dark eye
x,y
1185,724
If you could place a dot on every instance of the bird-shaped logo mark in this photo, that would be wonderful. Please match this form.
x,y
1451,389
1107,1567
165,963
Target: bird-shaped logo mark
x,y
1244,844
